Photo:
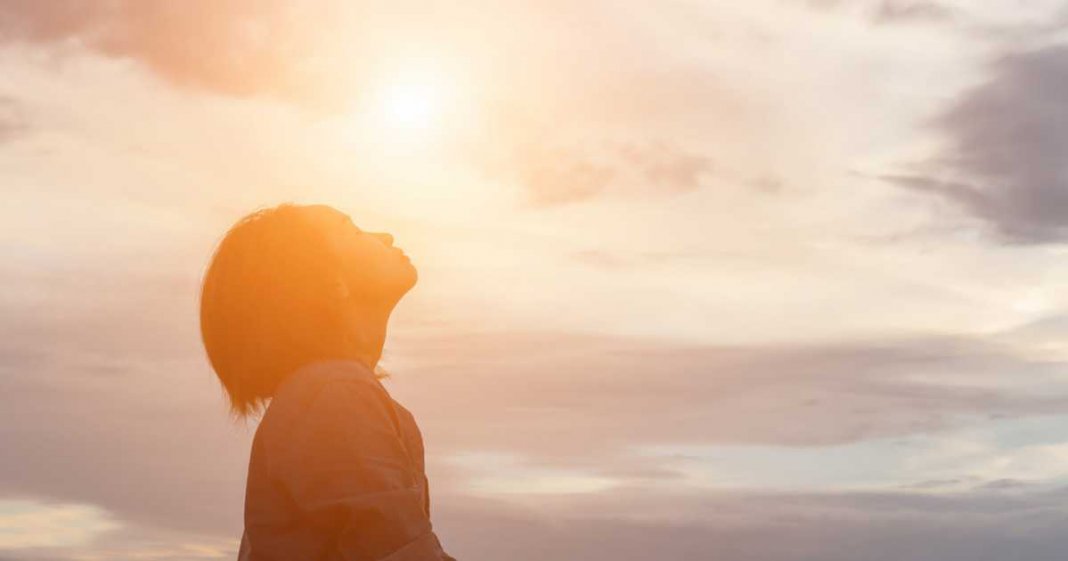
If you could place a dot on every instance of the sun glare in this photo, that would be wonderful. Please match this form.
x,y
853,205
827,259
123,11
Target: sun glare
x,y
410,106
413,103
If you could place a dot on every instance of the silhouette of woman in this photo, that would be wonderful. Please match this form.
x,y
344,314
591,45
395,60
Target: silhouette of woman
x,y
293,316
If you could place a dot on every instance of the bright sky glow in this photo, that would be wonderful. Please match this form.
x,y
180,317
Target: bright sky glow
x,y
411,106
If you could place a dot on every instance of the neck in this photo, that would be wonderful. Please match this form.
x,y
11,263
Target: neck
x,y
367,333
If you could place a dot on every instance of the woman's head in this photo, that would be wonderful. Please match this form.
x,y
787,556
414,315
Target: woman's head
x,y
282,290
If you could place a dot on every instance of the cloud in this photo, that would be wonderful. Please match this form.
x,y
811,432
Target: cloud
x,y
670,169
973,526
611,260
886,12
330,55
124,399
562,178
29,524
625,526
553,177
905,11
236,47
1007,138
13,120
590,398
121,541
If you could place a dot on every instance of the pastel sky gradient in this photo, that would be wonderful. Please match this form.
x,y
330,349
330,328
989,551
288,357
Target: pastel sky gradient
x,y
763,280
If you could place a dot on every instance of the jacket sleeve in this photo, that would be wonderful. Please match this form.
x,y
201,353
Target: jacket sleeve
x,y
347,470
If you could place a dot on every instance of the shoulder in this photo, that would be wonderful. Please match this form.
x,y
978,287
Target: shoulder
x,y
324,415
318,387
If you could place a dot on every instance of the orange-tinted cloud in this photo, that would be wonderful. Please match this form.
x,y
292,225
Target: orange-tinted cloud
x,y
237,47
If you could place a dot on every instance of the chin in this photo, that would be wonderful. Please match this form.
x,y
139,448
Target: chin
x,y
410,276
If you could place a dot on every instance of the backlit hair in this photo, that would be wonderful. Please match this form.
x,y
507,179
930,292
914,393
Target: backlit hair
x,y
270,303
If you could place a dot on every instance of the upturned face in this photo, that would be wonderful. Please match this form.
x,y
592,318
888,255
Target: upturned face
x,y
375,270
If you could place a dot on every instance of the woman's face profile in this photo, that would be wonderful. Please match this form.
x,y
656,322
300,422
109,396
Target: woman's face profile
x,y
373,267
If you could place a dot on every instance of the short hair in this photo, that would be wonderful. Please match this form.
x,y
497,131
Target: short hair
x,y
270,303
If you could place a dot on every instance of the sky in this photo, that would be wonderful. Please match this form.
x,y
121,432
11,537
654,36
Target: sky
x,y
763,280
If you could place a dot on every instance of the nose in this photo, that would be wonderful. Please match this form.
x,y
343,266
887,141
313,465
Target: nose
x,y
385,238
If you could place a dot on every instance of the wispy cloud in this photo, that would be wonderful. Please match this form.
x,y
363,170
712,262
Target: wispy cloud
x,y
26,524
555,177
236,48
979,526
905,11
605,395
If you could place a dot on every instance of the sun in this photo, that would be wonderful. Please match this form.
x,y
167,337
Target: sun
x,y
410,103
413,102
410,106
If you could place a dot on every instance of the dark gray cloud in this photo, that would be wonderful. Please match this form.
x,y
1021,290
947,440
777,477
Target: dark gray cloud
x,y
1007,139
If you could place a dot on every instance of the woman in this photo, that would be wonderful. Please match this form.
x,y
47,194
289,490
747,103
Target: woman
x,y
293,315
